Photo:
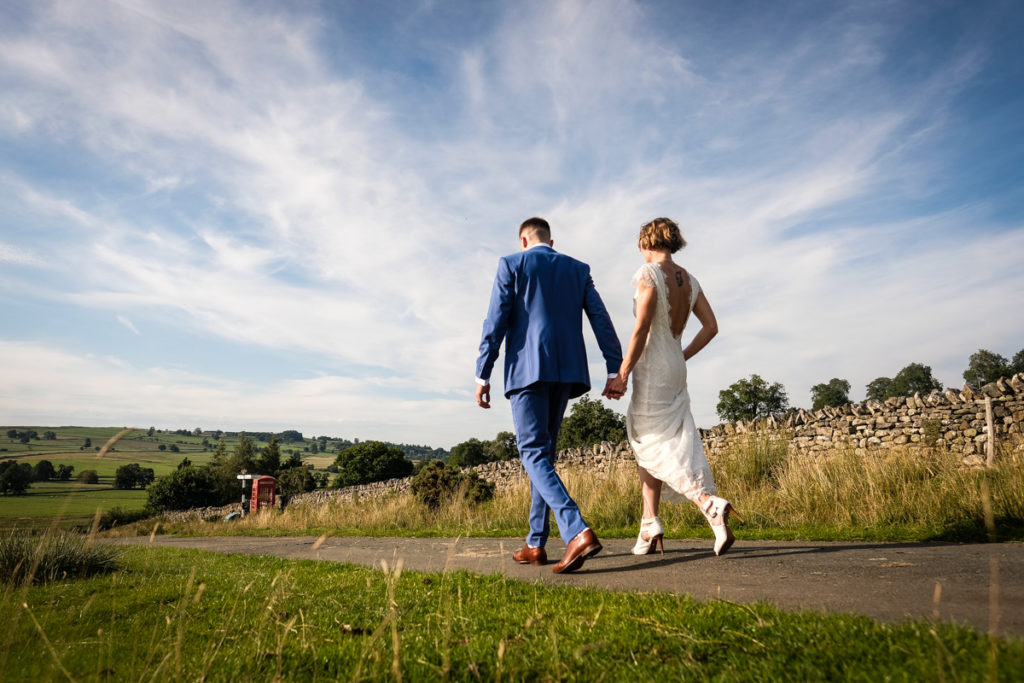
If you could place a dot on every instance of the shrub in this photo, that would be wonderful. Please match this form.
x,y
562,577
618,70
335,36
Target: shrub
x,y
932,430
88,477
437,483
186,487
49,558
118,517
371,461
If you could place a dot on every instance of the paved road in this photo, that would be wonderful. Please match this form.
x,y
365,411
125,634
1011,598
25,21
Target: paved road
x,y
886,581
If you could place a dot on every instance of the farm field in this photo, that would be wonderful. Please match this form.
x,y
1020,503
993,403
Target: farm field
x,y
66,503
70,503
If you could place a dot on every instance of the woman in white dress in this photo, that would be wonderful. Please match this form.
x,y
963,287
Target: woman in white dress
x,y
659,422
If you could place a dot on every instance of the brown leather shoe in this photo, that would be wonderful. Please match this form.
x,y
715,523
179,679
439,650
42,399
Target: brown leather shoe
x,y
584,545
528,555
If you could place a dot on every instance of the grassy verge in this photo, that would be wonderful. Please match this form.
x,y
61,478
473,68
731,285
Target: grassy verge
x,y
189,615
884,496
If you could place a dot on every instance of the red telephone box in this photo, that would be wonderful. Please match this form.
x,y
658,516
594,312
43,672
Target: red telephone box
x,y
264,492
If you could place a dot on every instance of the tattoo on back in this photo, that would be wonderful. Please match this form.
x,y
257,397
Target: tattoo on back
x,y
679,278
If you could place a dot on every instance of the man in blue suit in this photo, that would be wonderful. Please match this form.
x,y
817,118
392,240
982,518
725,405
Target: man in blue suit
x,y
537,306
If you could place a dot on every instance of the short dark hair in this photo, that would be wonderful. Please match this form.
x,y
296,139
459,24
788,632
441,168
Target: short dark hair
x,y
537,227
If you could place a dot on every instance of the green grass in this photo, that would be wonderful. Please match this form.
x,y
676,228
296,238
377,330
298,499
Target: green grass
x,y
190,615
26,558
65,504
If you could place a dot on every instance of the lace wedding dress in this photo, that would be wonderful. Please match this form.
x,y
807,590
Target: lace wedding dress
x,y
659,422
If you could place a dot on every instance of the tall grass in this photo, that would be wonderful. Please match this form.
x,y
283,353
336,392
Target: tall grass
x,y
897,494
25,558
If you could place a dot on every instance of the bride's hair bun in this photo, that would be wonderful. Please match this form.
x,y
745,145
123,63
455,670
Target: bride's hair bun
x,y
661,234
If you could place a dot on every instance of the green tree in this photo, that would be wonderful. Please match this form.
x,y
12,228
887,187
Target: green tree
x,y
88,443
88,477
270,458
985,366
1017,364
174,448
43,471
749,399
468,454
187,487
15,477
834,393
12,433
878,388
502,447
243,457
294,460
291,436
220,454
295,480
50,436
590,422
915,377
162,447
64,472
132,475
370,461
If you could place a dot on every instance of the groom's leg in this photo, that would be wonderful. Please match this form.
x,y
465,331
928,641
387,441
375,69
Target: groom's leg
x,y
540,519
532,410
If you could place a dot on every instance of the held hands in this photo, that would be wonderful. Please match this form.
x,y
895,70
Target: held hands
x,y
615,387
483,395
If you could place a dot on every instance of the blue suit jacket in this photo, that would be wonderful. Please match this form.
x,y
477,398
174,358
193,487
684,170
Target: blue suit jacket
x,y
537,306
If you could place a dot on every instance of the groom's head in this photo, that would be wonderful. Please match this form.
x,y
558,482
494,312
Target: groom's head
x,y
534,231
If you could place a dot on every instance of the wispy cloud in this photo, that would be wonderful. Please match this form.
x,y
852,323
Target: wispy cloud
x,y
129,324
231,180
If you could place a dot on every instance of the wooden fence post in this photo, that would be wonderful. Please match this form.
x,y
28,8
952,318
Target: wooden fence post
x,y
990,443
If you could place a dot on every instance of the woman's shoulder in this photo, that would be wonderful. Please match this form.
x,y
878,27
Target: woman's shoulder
x,y
647,275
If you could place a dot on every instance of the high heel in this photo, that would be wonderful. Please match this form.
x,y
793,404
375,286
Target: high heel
x,y
655,537
719,508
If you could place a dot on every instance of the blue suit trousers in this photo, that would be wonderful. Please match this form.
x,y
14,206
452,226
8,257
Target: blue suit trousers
x,y
537,412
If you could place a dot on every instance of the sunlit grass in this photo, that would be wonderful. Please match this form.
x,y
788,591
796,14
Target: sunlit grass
x,y
171,615
884,495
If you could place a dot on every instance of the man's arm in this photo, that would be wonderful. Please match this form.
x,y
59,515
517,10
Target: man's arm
x,y
601,323
495,327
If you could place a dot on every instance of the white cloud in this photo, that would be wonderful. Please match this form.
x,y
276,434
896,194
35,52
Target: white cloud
x,y
276,199
44,385
129,324
17,256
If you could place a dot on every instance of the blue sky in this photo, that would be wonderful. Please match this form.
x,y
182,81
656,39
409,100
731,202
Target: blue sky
x,y
276,215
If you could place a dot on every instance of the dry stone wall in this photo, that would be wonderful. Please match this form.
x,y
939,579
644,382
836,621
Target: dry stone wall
x,y
950,419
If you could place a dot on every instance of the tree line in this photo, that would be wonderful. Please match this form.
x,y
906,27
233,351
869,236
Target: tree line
x,y
749,399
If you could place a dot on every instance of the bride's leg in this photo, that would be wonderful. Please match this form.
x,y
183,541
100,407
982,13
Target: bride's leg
x,y
651,492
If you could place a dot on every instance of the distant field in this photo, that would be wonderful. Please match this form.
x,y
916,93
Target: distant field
x,y
70,503
75,503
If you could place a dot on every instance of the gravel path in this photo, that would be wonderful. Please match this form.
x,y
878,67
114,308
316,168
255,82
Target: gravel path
x,y
886,581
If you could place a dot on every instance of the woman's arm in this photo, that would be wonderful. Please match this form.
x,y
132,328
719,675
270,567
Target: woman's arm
x,y
702,309
646,305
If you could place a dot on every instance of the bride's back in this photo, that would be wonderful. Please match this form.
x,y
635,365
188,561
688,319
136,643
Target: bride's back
x,y
678,292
